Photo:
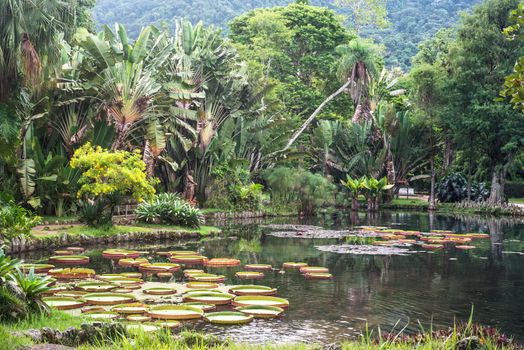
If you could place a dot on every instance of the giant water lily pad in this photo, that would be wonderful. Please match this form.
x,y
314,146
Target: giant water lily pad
x,y
212,297
130,308
182,252
175,312
159,267
292,227
258,267
253,290
72,273
38,268
293,265
201,285
105,315
258,311
117,254
314,269
107,298
365,249
69,260
249,275
138,318
260,301
188,259
318,276
204,306
64,303
160,291
77,294
96,287
312,234
228,317
206,277
222,262
132,262
189,272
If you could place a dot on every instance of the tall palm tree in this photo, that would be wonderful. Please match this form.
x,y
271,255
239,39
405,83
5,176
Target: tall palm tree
x,y
357,64
29,34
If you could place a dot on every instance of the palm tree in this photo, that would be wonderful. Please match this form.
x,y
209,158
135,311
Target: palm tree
x,y
29,32
357,64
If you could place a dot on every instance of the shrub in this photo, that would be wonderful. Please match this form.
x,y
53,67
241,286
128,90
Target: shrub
x,y
454,188
169,208
107,178
298,185
232,189
15,221
20,294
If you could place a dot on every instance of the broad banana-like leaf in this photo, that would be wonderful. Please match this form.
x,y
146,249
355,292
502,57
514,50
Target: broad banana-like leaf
x,y
156,137
51,178
34,202
172,164
140,46
388,187
123,39
100,50
26,171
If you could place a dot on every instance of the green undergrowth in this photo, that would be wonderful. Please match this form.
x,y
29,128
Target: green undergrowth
x,y
203,230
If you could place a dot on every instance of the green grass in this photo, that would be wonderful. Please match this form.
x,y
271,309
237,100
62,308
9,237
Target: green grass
x,y
516,200
203,230
118,229
407,203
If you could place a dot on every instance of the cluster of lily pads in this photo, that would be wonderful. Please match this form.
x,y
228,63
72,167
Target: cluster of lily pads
x,y
373,240
118,296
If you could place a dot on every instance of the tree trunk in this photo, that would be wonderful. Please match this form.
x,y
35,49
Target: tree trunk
x,y
354,204
469,183
370,204
432,205
496,196
312,117
448,153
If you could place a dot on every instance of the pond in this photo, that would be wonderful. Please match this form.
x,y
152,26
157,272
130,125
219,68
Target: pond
x,y
430,287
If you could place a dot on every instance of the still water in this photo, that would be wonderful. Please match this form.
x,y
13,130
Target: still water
x,y
387,291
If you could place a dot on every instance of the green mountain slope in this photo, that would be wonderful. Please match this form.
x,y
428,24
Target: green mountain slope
x,y
411,20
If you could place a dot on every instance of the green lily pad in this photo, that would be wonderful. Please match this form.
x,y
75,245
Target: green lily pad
x,y
64,303
107,298
258,311
260,300
228,317
253,290
208,297
175,312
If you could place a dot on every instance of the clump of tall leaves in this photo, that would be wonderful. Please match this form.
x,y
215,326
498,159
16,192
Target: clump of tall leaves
x,y
169,208
20,294
107,179
15,221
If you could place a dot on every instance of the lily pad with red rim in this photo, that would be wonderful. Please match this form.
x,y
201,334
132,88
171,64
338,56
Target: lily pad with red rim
x,y
108,298
117,254
258,267
252,290
96,286
222,262
204,306
72,273
160,291
212,297
250,275
293,265
201,285
64,303
314,269
175,312
69,260
228,317
132,262
318,276
105,315
258,311
38,268
188,259
207,277
260,300
158,267
130,308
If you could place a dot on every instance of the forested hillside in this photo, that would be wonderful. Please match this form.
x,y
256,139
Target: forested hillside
x,y
411,20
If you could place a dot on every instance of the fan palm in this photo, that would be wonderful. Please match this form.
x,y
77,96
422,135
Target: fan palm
x,y
357,63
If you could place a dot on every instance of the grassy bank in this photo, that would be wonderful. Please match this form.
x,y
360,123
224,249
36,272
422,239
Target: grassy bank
x,y
54,230
466,336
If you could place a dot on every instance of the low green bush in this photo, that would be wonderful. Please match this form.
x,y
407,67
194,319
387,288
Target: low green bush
x,y
169,208
15,221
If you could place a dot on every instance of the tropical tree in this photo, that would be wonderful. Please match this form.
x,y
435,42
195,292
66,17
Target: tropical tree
x,y
373,188
357,65
354,187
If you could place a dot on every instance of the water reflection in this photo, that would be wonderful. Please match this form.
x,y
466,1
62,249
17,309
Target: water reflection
x,y
430,287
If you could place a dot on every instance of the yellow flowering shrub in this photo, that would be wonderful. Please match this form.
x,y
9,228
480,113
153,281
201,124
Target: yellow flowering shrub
x,y
107,174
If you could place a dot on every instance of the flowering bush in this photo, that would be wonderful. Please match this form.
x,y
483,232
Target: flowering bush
x,y
107,178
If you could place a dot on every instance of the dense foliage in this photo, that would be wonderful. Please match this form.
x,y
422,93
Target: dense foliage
x,y
411,22
15,221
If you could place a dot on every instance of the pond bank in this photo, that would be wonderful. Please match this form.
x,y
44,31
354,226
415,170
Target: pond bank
x,y
56,236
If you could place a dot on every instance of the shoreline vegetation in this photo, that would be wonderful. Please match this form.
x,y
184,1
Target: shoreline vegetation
x,y
457,336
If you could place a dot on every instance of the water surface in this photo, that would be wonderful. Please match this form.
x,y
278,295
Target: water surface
x,y
430,288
